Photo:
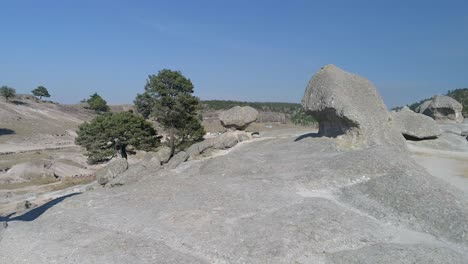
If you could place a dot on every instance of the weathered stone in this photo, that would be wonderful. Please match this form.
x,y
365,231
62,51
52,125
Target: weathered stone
x,y
164,154
238,117
443,108
349,106
200,147
226,140
133,174
415,126
177,159
111,170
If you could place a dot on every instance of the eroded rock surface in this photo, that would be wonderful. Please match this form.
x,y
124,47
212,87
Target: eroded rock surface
x,y
279,199
349,106
414,125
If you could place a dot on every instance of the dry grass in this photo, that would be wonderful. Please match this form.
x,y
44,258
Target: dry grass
x,y
36,182
73,181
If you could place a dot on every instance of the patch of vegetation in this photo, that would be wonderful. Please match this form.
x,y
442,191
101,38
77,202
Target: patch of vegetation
x,y
97,103
461,95
302,118
287,108
40,92
168,97
7,92
111,133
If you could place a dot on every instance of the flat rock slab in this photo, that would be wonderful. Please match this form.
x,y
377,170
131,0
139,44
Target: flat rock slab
x,y
282,200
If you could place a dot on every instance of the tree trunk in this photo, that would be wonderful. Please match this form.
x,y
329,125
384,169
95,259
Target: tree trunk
x,y
172,141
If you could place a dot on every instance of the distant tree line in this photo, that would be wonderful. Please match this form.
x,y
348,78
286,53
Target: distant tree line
x,y
287,108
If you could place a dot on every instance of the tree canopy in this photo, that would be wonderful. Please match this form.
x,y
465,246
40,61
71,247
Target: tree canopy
x,y
97,103
40,92
110,133
7,92
168,97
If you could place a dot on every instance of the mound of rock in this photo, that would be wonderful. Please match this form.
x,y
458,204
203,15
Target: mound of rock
x,y
28,171
442,108
238,117
348,106
415,126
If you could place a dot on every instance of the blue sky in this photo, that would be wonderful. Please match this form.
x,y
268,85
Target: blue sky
x,y
240,50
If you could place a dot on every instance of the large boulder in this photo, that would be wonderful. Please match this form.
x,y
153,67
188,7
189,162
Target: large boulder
x,y
442,107
238,117
349,107
415,126
111,171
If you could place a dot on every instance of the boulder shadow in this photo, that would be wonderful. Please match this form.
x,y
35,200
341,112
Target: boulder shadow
x,y
6,131
36,212
308,135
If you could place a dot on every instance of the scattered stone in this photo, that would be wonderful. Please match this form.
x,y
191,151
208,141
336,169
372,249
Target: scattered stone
x,y
348,106
111,171
177,159
443,108
415,126
238,117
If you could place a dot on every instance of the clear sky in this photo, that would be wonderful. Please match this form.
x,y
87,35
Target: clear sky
x,y
240,50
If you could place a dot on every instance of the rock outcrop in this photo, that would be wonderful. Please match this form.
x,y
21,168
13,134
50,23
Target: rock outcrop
x,y
111,171
133,174
348,106
177,159
442,108
224,141
238,117
415,126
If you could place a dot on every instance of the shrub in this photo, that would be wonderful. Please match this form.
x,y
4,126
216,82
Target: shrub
x,y
111,133
7,92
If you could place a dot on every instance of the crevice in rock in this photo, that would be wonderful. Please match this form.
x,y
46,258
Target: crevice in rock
x,y
331,124
412,138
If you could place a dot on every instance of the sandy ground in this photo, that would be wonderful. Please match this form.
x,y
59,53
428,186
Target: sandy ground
x,y
449,166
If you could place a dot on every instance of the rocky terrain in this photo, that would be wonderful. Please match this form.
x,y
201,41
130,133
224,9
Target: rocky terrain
x,y
352,191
